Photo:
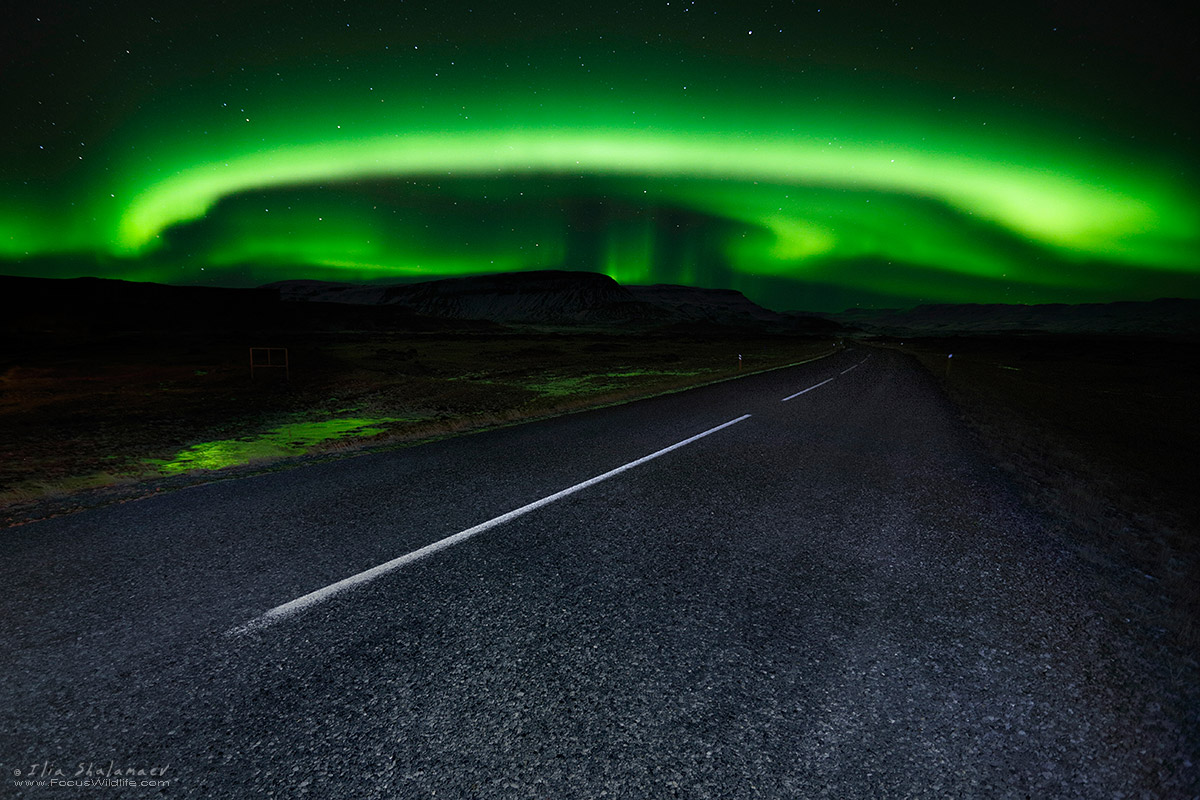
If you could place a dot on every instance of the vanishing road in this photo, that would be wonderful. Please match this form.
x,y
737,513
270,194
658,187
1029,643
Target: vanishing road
x,y
817,587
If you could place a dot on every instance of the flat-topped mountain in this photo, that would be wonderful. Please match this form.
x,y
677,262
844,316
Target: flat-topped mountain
x,y
552,297
540,296
696,304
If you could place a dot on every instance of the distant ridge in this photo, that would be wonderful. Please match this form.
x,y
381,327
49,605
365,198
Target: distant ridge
x,y
548,298
555,297
82,304
538,296
1166,316
696,304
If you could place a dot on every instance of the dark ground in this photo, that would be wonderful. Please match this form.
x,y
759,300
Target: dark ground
x,y
1102,433
974,581
840,596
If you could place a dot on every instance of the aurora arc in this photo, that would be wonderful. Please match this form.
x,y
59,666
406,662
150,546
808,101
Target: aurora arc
x,y
1056,210
789,175
736,175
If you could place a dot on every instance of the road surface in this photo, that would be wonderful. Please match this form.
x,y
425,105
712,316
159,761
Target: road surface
x,y
816,587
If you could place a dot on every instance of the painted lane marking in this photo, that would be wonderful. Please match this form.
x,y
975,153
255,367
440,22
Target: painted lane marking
x,y
856,366
312,598
822,383
809,389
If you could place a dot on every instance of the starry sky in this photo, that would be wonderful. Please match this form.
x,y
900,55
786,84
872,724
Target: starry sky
x,y
815,156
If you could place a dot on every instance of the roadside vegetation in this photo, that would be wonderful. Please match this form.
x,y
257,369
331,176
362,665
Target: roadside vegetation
x,y
116,417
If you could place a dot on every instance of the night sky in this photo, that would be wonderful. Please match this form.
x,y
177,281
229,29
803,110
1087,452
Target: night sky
x,y
815,156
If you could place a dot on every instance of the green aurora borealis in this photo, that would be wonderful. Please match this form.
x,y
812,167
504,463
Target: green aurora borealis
x,y
806,173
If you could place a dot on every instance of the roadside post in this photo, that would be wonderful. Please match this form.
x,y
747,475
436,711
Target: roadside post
x,y
948,357
739,362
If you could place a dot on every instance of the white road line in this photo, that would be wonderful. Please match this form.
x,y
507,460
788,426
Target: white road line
x,y
856,366
312,598
809,389
822,383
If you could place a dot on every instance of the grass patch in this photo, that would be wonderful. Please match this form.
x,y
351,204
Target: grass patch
x,y
573,385
285,441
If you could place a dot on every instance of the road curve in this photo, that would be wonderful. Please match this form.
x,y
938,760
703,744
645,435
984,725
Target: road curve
x,y
828,594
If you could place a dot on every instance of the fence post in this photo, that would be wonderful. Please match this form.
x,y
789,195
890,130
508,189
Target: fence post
x,y
270,354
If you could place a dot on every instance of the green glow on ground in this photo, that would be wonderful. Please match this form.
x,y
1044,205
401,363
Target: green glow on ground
x,y
294,439
569,385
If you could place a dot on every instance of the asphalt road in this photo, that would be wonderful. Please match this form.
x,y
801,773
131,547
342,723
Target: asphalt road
x,y
836,596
